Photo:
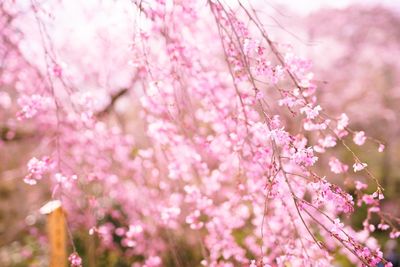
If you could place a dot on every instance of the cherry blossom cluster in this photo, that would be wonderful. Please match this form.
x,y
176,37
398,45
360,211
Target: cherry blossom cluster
x,y
228,158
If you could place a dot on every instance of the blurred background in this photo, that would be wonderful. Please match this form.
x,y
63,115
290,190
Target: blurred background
x,y
355,49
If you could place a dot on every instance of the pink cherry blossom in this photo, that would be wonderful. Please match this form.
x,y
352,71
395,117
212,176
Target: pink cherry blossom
x,y
394,234
182,126
37,169
337,167
75,260
311,112
359,138
327,142
359,166
304,157
381,147
343,122
360,185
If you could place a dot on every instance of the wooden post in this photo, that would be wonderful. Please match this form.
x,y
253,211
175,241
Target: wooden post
x,y
57,233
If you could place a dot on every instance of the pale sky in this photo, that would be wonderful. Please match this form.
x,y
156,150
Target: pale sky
x,y
307,6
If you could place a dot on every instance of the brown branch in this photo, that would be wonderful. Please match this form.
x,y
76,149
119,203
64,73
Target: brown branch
x,y
114,98
10,135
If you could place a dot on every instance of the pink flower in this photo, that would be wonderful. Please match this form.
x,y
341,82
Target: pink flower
x,y
337,167
197,154
33,105
369,200
359,166
153,261
134,231
280,136
311,112
371,228
326,192
37,168
337,226
328,141
259,95
381,148
304,157
394,234
169,214
57,70
359,138
378,195
75,260
360,185
383,226
194,220
343,122
290,101
251,46
5,100
374,209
